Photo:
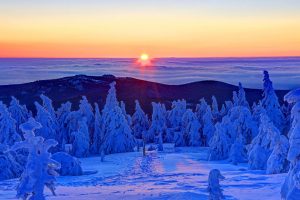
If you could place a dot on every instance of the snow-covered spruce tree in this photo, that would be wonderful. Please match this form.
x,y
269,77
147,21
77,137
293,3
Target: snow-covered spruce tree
x,y
290,190
174,119
238,152
235,98
286,111
86,110
18,112
201,109
191,128
8,133
158,126
270,102
97,137
71,123
47,104
242,101
48,129
208,126
81,140
70,166
219,145
223,111
263,144
40,168
215,109
277,162
257,109
140,121
117,132
62,113
10,168
127,116
214,188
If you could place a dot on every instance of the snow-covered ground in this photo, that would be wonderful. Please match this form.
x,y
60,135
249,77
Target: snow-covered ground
x,y
179,175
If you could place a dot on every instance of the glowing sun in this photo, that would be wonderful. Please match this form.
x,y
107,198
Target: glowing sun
x,y
144,57
144,60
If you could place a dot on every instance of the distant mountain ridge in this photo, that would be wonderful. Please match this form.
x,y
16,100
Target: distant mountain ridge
x,y
95,88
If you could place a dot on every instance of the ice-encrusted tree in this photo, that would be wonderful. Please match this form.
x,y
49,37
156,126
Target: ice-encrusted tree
x,y
290,190
140,122
201,109
191,128
18,112
8,133
158,126
270,102
214,188
238,152
208,128
47,104
235,98
48,129
277,162
86,110
257,109
174,119
127,116
117,132
219,145
40,168
81,140
263,144
242,101
62,113
97,136
215,109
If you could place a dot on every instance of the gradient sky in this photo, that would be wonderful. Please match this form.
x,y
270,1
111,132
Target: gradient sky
x,y
162,28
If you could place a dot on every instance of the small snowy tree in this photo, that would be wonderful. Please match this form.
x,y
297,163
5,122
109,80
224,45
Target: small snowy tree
x,y
127,116
219,145
40,168
270,102
81,140
48,129
47,104
18,112
158,125
277,162
190,128
214,188
291,188
208,126
8,133
242,101
263,144
62,113
97,137
215,109
238,153
140,121
201,109
86,110
174,119
70,166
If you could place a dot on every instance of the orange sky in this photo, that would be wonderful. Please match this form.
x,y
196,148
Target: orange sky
x,y
181,30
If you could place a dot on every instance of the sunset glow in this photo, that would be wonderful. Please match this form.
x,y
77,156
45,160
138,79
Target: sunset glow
x,y
124,28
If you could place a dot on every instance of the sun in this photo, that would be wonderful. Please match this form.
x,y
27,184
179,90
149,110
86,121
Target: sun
x,y
144,57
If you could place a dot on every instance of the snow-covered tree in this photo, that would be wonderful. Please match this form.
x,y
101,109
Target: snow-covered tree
x,y
201,109
18,112
215,109
277,162
70,166
47,104
290,189
40,168
270,102
158,125
263,144
242,101
238,152
48,129
116,130
191,128
208,126
257,109
71,123
62,113
86,110
97,137
8,133
219,145
140,121
214,188
81,140
127,116
235,98
10,167
174,119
